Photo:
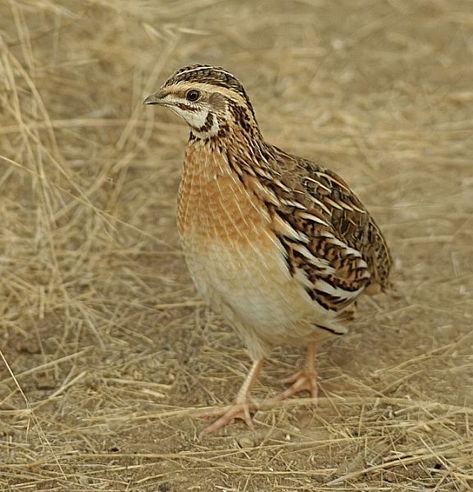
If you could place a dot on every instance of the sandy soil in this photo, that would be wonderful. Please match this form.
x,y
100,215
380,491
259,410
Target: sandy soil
x,y
107,352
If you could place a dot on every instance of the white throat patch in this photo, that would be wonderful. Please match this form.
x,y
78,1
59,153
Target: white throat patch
x,y
208,129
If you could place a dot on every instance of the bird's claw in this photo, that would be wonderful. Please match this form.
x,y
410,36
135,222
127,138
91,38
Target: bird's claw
x,y
303,380
235,411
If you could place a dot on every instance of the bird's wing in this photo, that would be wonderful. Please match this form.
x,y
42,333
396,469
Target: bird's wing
x,y
325,230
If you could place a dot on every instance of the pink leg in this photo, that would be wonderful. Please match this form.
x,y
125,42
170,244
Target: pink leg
x,y
304,379
241,408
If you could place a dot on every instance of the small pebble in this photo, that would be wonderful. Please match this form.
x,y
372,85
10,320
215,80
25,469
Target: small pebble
x,y
246,442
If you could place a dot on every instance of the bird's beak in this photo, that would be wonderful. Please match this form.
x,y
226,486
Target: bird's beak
x,y
156,98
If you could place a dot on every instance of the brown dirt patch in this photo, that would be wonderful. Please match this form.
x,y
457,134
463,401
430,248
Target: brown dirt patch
x,y
106,348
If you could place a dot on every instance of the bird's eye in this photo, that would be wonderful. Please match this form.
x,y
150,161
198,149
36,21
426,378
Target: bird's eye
x,y
192,95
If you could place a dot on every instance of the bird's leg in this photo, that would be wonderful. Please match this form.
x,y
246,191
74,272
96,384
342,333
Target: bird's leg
x,y
305,379
241,407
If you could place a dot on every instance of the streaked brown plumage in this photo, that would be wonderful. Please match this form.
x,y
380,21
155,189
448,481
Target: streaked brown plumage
x,y
278,245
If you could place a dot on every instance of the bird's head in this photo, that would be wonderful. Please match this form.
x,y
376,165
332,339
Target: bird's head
x,y
211,100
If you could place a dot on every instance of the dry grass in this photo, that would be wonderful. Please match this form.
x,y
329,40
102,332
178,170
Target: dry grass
x,y
107,350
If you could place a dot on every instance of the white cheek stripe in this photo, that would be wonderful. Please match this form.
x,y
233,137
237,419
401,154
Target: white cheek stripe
x,y
172,99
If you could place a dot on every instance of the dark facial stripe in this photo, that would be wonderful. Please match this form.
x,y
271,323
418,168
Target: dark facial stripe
x,y
207,125
186,107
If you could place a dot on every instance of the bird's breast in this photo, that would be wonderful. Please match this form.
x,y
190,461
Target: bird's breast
x,y
232,254
224,229
213,205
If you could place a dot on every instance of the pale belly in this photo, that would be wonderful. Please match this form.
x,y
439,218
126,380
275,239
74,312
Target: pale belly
x,y
254,291
254,283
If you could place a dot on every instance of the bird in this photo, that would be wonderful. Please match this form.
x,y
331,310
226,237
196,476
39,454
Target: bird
x,y
281,247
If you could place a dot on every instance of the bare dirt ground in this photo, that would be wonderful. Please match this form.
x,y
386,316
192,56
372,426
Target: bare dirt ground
x,y
106,349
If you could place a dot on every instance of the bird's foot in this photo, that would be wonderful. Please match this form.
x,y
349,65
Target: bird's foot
x,y
303,380
239,410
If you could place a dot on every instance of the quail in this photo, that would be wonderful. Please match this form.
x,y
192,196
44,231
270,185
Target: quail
x,y
278,245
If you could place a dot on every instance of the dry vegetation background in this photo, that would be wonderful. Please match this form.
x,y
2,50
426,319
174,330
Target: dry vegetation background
x,y
106,348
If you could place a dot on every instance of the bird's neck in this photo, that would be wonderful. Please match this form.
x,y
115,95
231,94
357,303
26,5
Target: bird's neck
x,y
242,152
